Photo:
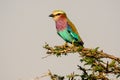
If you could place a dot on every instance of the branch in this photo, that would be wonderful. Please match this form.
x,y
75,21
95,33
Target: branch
x,y
63,50
90,57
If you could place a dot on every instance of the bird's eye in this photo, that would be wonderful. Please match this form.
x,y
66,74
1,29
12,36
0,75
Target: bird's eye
x,y
58,14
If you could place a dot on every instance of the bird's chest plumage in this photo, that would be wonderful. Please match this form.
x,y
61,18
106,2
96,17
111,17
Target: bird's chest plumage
x,y
61,24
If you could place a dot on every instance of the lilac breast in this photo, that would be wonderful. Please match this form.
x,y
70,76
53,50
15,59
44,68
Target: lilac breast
x,y
61,24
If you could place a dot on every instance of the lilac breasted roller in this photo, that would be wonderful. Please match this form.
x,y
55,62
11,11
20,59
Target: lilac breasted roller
x,y
65,28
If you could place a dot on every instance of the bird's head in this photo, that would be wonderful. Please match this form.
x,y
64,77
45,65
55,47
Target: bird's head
x,y
57,14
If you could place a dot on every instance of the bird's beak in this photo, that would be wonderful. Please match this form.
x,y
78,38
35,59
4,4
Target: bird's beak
x,y
51,15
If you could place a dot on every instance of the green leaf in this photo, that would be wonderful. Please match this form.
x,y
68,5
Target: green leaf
x,y
98,68
94,50
89,60
112,64
118,76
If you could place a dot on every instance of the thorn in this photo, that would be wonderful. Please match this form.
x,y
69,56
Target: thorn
x,y
46,56
46,74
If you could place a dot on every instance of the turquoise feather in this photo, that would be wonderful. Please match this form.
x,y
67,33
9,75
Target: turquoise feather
x,y
65,35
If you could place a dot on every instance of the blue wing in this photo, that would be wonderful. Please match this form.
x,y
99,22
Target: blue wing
x,y
73,34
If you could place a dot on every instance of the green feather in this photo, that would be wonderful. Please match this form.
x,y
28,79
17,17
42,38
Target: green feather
x,y
66,35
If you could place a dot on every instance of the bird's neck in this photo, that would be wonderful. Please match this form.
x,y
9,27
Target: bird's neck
x,y
61,23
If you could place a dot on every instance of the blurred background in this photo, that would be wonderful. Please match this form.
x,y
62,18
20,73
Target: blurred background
x,y
25,27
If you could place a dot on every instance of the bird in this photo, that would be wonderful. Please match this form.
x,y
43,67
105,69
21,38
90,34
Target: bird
x,y
66,29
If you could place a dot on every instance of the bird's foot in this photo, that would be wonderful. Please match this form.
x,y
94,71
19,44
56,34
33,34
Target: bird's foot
x,y
72,45
65,45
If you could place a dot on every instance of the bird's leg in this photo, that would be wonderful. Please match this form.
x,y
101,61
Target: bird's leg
x,y
73,44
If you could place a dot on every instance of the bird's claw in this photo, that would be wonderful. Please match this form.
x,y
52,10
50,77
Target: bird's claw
x,y
65,45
